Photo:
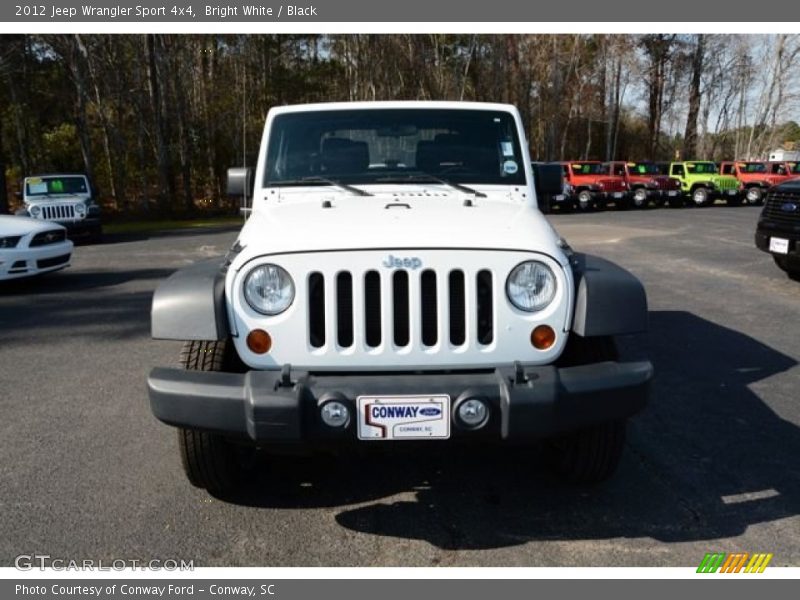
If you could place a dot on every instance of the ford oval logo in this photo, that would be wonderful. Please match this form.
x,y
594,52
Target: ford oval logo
x,y
789,207
430,412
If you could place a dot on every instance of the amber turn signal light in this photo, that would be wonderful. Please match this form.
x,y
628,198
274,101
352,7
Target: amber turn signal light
x,y
259,341
542,337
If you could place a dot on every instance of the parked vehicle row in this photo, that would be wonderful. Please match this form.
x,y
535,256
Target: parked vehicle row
x,y
592,185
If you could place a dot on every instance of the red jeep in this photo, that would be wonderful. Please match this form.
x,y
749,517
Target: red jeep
x,y
756,177
646,182
588,184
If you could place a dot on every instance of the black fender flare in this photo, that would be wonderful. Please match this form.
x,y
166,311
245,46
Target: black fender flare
x,y
608,299
190,303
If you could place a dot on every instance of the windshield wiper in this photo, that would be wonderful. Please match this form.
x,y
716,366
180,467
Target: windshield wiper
x,y
423,177
316,179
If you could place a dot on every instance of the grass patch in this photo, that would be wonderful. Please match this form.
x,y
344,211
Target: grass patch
x,y
171,224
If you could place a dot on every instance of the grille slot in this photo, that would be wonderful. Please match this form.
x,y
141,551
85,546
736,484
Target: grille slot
x,y
344,309
316,310
458,334
400,308
430,335
372,309
485,307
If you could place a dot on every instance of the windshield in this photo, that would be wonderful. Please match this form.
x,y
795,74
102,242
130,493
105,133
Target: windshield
x,y
41,186
380,145
753,167
701,167
641,168
585,168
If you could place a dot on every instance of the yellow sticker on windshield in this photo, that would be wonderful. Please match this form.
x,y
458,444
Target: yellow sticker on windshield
x,y
34,180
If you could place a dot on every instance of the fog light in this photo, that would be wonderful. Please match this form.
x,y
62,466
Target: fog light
x,y
472,413
542,337
259,341
335,414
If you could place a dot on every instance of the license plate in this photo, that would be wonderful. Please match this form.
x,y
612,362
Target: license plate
x,y
383,418
559,197
673,193
617,194
779,245
731,192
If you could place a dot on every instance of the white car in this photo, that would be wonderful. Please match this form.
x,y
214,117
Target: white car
x,y
31,247
397,281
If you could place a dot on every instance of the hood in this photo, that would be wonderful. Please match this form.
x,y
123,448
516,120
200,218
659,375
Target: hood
x,y
57,199
389,221
10,225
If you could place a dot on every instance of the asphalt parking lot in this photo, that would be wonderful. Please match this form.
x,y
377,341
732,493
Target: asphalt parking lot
x,y
711,465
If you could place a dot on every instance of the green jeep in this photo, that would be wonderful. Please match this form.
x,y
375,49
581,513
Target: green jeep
x,y
701,183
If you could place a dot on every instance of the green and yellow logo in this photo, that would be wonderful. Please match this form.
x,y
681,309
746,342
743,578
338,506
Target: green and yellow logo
x,y
741,562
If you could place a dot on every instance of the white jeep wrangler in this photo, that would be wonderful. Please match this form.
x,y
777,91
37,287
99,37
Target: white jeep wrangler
x,y
396,281
66,199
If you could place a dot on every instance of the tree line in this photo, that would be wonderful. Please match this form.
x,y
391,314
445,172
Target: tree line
x,y
155,120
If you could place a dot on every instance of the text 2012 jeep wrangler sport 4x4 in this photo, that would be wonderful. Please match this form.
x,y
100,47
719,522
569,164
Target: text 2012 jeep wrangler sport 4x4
x,y
396,281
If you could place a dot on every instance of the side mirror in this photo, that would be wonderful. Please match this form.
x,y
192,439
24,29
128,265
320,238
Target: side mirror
x,y
239,181
548,180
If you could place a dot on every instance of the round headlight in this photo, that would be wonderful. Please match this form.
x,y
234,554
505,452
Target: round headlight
x,y
35,210
531,286
269,289
80,210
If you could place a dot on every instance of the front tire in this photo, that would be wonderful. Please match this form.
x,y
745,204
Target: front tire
x,y
639,198
585,200
754,195
590,455
792,270
701,196
209,460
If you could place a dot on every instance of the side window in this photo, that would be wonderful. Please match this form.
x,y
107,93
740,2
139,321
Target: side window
x,y
677,170
727,169
618,169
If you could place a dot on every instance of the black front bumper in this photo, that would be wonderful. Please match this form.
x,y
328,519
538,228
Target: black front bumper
x,y
525,402
768,229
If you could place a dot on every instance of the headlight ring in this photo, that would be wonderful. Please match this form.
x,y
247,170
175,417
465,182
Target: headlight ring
x,y
531,286
268,289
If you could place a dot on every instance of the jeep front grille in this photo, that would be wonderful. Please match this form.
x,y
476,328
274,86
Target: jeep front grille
x,y
412,303
56,212
773,207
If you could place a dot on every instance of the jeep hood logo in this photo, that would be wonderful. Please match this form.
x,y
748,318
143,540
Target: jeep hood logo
x,y
400,262
789,207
